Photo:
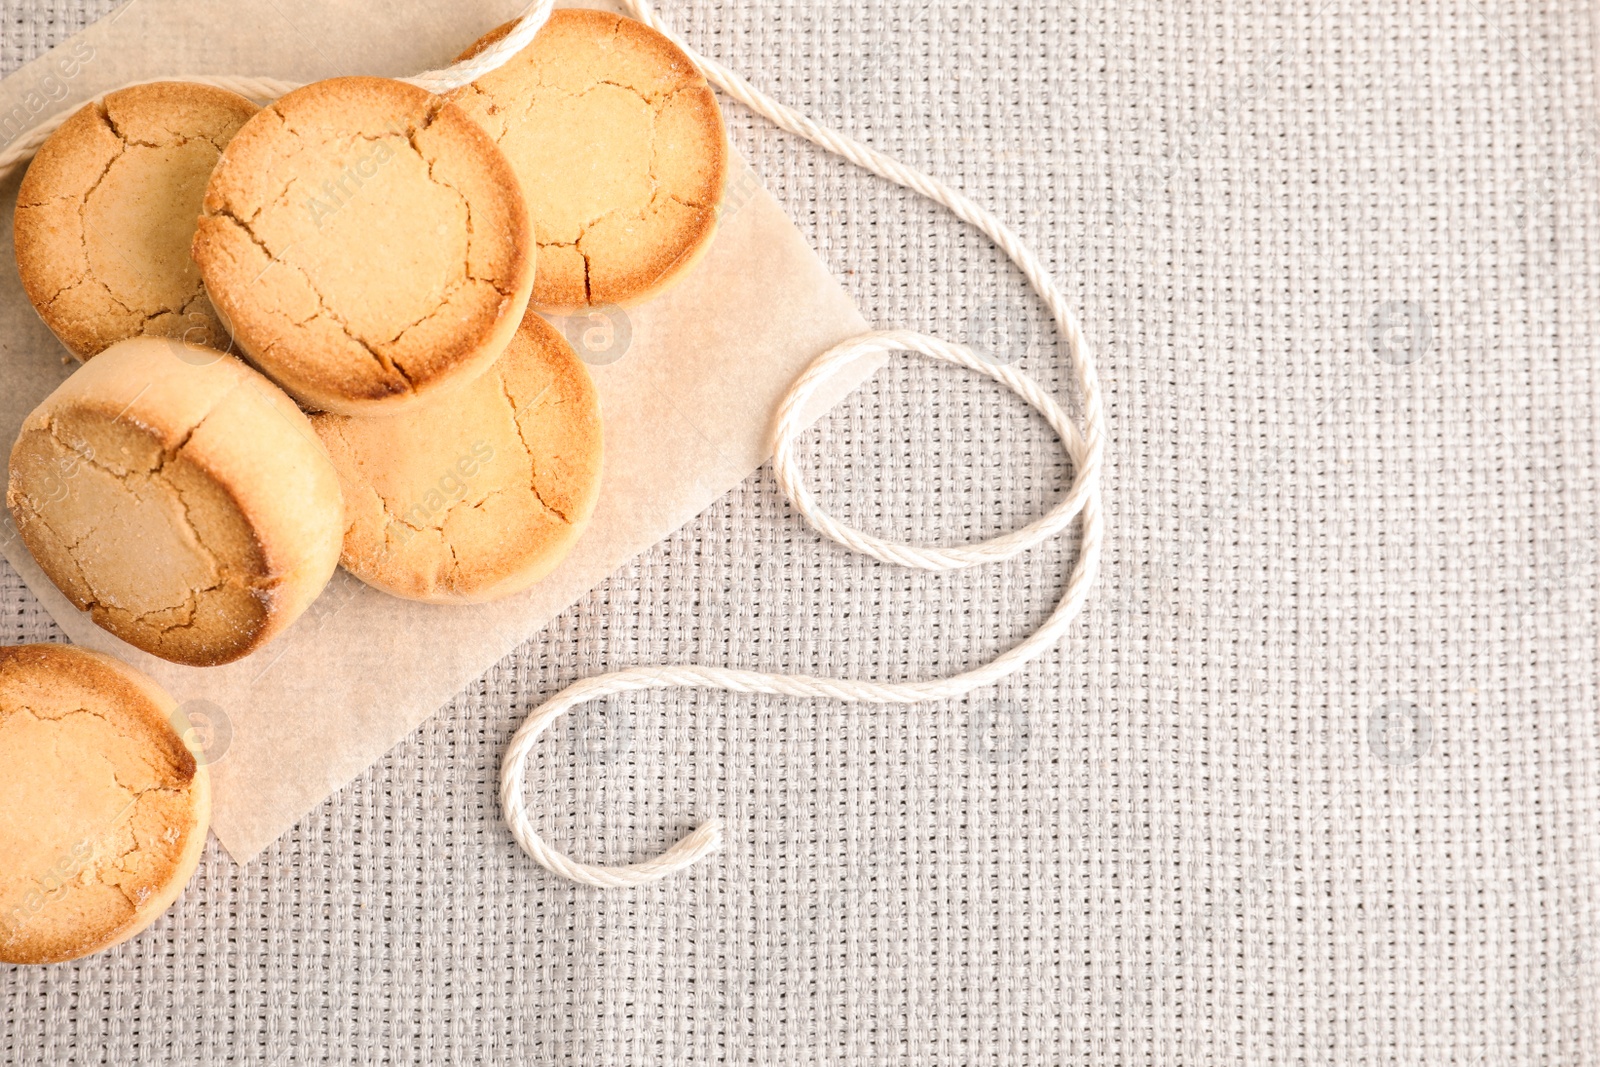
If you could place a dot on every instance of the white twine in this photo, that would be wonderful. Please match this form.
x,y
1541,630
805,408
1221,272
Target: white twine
x,y
1083,447
1081,502
456,75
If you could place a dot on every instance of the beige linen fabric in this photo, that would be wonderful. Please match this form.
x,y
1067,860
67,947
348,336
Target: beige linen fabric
x,y
1317,778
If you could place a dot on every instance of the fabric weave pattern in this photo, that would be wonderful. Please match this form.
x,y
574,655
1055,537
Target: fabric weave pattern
x,y
1317,776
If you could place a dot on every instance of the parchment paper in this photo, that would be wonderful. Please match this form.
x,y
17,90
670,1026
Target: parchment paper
x,y
687,382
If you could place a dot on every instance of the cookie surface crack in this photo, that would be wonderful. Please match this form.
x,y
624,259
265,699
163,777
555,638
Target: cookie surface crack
x,y
533,463
102,864
655,104
322,303
157,475
472,233
375,347
100,110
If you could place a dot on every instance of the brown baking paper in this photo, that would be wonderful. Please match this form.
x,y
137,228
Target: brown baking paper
x,y
688,384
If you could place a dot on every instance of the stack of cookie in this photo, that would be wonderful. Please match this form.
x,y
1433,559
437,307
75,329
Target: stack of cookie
x,y
311,335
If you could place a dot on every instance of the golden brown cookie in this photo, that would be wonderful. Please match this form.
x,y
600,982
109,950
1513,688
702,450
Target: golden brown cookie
x,y
106,213
103,810
478,494
367,243
621,151
188,508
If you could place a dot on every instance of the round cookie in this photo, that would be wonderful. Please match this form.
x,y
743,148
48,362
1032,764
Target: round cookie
x,y
106,213
103,810
480,493
367,244
189,508
621,151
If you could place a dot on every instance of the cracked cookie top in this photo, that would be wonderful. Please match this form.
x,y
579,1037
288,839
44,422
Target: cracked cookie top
x,y
620,148
106,213
188,507
478,494
103,809
367,243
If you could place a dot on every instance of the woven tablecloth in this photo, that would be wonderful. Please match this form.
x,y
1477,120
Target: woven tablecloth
x,y
1315,780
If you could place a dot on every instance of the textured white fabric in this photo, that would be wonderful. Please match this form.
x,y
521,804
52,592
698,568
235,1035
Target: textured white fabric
x,y
1187,838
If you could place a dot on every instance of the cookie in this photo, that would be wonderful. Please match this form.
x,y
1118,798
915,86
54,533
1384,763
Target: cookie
x,y
103,809
106,213
188,507
480,493
367,244
621,151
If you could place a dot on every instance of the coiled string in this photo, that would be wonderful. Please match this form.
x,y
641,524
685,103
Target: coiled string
x,y
1084,447
1081,501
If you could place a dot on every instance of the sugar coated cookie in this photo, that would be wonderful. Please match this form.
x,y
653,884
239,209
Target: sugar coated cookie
x,y
188,507
107,210
621,151
103,809
367,243
478,494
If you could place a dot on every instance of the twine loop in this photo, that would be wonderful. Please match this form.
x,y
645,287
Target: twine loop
x,y
1084,447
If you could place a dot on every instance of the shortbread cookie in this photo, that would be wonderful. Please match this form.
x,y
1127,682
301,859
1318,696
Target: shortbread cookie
x,y
480,493
367,243
103,810
621,151
188,508
106,213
